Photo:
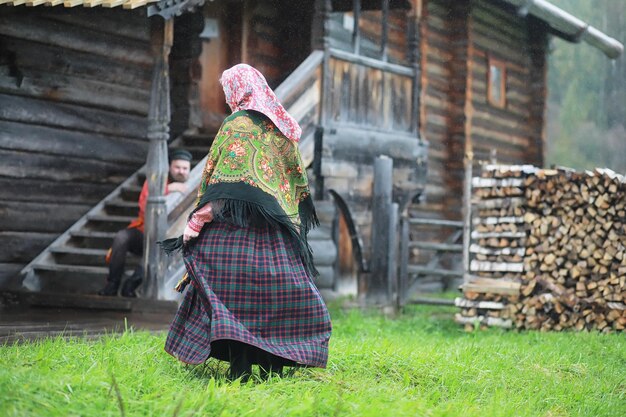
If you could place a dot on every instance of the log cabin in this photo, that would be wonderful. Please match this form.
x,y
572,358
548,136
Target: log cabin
x,y
89,94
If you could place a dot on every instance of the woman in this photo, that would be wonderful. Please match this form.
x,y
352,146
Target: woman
x,y
252,298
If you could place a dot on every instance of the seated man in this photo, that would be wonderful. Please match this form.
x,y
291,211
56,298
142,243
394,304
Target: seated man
x,y
131,238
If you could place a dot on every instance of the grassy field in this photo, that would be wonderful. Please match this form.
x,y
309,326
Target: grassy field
x,y
420,364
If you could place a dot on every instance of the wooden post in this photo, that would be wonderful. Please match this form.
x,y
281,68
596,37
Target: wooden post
x,y
378,287
356,34
467,213
392,257
385,31
415,59
317,163
157,166
403,275
326,99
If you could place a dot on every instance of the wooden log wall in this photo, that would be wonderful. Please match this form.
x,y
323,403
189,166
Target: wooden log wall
x,y
74,95
185,74
365,96
514,131
457,40
277,37
443,52
255,32
370,26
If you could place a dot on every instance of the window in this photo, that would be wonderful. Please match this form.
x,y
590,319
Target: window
x,y
496,83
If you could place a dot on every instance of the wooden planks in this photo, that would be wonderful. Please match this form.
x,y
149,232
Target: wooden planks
x,y
73,105
362,95
49,112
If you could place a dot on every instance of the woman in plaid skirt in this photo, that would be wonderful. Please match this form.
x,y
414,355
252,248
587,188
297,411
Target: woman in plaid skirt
x,y
252,299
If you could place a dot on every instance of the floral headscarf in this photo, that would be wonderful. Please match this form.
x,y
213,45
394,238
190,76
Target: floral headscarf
x,y
245,88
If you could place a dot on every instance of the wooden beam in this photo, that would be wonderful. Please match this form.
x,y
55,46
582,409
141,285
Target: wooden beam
x,y
377,285
385,31
392,257
403,274
372,63
157,165
356,34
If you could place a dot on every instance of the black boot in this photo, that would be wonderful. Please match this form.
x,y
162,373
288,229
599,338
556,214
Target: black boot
x,y
132,283
268,366
240,365
110,289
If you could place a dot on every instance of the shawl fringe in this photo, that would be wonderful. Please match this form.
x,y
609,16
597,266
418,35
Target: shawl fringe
x,y
243,205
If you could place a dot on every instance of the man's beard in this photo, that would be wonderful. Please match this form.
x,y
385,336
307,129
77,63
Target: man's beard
x,y
178,178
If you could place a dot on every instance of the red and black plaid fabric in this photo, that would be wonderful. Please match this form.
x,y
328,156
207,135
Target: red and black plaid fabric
x,y
249,285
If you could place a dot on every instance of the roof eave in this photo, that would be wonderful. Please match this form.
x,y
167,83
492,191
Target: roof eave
x,y
569,27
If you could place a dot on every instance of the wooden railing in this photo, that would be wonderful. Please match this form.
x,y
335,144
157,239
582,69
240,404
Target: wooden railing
x,y
368,92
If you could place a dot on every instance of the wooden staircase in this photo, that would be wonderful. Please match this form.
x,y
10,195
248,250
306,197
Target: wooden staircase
x,y
74,262
73,265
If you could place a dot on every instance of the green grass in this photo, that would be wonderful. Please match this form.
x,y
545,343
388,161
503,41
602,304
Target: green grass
x,y
420,364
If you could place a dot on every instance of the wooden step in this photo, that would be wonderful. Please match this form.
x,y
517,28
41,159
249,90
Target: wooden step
x,y
69,255
73,279
131,193
443,247
91,239
141,178
108,223
119,207
93,302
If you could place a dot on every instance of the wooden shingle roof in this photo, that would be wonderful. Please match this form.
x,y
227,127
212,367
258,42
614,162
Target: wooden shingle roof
x,y
126,4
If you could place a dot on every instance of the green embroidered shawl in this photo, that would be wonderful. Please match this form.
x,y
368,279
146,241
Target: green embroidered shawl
x,y
255,175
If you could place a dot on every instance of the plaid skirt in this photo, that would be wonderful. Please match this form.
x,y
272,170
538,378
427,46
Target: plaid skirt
x,y
249,285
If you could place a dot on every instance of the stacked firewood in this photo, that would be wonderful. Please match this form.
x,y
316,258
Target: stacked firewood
x,y
575,263
560,236
498,247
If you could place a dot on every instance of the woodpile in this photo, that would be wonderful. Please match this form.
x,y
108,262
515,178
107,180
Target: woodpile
x,y
558,234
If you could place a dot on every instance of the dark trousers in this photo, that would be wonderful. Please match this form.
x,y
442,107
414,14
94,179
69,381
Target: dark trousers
x,y
241,357
127,240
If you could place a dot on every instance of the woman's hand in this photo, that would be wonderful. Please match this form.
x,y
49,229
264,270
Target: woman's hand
x,y
196,222
189,234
